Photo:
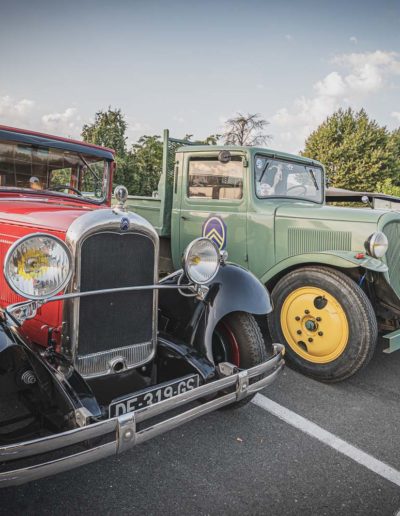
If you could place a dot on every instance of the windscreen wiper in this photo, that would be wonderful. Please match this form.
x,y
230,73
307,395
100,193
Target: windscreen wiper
x,y
313,178
89,167
263,172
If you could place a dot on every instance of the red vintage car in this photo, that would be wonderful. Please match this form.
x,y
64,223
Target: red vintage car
x,y
93,346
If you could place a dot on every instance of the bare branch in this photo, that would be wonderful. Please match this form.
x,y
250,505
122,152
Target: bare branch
x,y
246,129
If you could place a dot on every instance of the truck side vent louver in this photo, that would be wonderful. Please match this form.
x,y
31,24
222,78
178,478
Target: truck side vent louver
x,y
302,240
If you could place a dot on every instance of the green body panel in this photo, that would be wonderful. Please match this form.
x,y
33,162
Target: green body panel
x,y
148,207
193,213
269,236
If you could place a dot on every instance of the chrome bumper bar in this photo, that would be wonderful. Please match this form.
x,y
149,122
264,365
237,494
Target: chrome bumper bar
x,y
123,428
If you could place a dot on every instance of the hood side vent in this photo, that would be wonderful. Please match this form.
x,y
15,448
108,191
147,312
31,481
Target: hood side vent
x,y
302,240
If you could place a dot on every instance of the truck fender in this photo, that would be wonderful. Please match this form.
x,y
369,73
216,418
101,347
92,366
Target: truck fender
x,y
346,259
234,289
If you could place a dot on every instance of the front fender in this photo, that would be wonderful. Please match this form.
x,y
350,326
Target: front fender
x,y
346,259
234,289
67,391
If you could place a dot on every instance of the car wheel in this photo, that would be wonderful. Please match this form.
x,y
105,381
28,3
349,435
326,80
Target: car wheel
x,y
237,339
326,321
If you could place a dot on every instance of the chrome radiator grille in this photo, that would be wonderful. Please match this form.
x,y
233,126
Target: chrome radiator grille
x,y
392,231
115,327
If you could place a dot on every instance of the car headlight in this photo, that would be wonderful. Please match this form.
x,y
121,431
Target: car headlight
x,y
38,266
377,244
201,260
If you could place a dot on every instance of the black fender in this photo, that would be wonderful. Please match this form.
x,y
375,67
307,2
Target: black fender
x,y
234,289
175,359
64,391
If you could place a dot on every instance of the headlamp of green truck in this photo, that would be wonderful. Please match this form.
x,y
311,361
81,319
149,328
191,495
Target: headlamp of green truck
x,y
377,244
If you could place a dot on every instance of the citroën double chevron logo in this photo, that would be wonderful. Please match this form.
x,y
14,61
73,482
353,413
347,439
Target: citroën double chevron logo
x,y
214,228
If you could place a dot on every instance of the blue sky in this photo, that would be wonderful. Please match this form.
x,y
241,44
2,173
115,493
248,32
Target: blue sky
x,y
190,65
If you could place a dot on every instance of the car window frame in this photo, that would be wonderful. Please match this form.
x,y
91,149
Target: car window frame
x,y
213,157
287,161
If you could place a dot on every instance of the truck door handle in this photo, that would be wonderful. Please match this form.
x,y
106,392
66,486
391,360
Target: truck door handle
x,y
184,218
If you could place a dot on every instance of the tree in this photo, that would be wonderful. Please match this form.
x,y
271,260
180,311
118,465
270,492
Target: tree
x,y
245,129
146,158
108,129
356,151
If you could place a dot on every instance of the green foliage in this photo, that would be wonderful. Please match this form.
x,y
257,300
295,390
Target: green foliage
x,y
387,187
146,159
108,129
356,151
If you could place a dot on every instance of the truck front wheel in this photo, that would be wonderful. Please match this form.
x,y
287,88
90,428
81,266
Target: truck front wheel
x,y
326,321
237,339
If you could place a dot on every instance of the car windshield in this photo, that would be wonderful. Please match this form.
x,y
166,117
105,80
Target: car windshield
x,y
32,167
279,178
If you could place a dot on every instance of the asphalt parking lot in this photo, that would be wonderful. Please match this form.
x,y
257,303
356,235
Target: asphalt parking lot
x,y
250,461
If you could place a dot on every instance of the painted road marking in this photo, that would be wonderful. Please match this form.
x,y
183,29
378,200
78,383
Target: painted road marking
x,y
338,444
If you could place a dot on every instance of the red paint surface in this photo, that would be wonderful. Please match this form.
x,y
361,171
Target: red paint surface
x,y
23,213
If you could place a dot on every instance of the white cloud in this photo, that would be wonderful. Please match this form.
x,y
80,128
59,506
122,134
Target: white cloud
x,y
15,111
367,73
353,39
396,115
25,113
68,122
332,85
289,37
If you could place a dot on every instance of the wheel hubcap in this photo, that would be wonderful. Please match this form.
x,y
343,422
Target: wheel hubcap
x,y
314,324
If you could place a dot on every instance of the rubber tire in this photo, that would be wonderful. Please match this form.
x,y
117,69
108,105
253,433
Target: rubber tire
x,y
252,348
363,328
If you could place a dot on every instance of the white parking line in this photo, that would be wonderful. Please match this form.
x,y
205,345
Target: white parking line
x,y
310,428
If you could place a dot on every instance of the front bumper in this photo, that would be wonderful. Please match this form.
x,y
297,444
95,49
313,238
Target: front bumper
x,y
123,428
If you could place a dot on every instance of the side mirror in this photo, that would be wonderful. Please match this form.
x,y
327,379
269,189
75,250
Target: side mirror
x,y
365,200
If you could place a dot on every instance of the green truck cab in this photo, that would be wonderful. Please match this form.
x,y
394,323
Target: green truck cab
x,y
334,272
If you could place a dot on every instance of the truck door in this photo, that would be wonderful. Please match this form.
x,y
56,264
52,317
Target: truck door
x,y
213,202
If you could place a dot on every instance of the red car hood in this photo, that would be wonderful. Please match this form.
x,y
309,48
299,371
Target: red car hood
x,y
41,215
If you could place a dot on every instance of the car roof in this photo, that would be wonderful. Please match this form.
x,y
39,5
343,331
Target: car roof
x,y
253,150
43,139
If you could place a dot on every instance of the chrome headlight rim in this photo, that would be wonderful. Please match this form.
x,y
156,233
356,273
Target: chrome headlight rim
x,y
372,243
55,291
185,260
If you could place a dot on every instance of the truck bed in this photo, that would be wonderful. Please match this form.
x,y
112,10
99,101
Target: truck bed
x,y
148,208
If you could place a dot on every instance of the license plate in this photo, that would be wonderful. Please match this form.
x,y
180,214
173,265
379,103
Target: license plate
x,y
153,395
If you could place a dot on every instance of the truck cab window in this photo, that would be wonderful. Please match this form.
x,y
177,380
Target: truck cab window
x,y
277,178
211,179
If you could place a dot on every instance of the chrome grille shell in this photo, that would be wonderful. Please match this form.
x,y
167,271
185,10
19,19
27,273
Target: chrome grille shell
x,y
100,363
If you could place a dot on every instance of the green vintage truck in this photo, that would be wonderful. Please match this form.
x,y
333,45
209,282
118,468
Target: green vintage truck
x,y
334,272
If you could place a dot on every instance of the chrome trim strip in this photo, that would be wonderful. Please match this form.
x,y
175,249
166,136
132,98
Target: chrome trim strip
x,y
124,426
52,442
36,304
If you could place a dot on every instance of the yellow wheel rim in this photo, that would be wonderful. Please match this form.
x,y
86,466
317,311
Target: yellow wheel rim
x,y
314,324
